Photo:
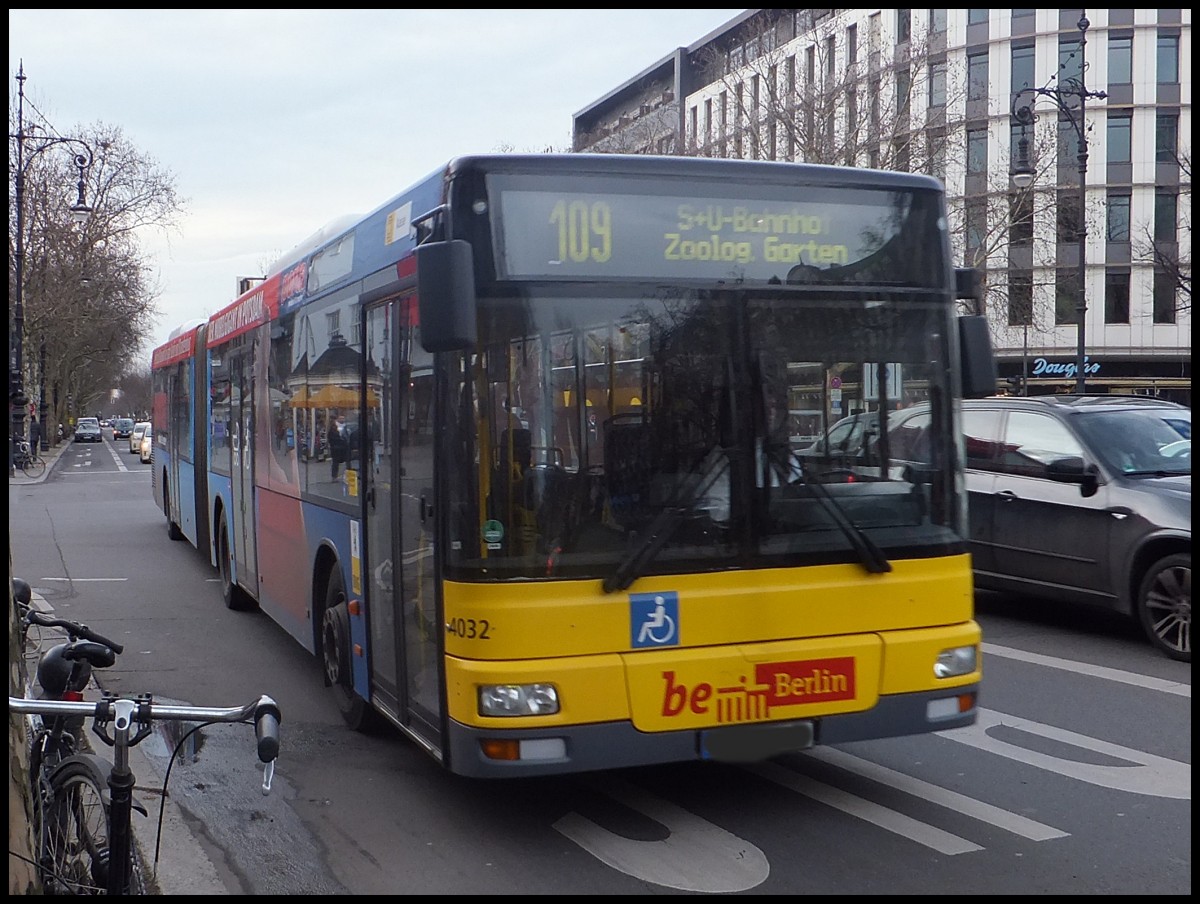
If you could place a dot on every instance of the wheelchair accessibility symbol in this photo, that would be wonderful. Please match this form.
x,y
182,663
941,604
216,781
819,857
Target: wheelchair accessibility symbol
x,y
654,619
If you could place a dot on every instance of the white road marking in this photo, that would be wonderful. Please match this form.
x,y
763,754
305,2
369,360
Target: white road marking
x,y
935,794
697,856
84,580
1086,668
1140,772
885,818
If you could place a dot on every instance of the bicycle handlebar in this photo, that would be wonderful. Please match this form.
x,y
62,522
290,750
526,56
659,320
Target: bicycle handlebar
x,y
264,712
72,628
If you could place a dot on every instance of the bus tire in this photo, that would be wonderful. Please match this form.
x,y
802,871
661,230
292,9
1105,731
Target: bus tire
x,y
235,597
173,530
336,656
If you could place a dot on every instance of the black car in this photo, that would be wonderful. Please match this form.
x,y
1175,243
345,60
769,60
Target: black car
x,y
87,430
122,427
1079,498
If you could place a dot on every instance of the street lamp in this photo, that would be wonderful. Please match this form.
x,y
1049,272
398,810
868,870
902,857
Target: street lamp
x,y
79,212
1023,172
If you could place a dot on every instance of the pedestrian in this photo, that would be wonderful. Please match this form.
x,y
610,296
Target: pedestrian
x,y
339,445
35,436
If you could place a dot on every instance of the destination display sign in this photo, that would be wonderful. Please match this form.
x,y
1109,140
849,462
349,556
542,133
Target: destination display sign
x,y
842,236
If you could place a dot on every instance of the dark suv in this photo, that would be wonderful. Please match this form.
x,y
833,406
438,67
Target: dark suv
x,y
1080,498
122,427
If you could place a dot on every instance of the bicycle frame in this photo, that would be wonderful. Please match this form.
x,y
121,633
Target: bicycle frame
x,y
131,720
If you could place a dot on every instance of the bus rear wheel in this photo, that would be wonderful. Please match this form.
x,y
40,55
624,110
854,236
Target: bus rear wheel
x,y
336,657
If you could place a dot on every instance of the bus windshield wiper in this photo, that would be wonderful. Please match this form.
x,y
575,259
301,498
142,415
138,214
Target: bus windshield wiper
x,y
664,525
871,556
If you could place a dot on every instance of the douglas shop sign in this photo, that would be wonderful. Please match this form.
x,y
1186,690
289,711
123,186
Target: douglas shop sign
x,y
1044,368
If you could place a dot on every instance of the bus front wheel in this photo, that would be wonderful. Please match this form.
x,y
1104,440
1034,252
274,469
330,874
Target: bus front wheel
x,y
235,597
336,656
173,530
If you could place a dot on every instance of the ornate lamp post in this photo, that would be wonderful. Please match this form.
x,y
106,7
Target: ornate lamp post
x,y
79,212
1069,98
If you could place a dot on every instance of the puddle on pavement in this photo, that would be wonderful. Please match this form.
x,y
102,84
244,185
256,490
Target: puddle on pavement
x,y
166,736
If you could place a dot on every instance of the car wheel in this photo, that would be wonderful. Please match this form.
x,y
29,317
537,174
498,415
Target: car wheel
x,y
1165,605
336,657
235,597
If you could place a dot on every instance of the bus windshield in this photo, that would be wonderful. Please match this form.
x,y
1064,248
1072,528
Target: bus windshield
x,y
654,433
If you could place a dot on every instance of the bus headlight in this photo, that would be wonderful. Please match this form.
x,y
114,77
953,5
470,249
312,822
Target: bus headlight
x,y
955,661
518,699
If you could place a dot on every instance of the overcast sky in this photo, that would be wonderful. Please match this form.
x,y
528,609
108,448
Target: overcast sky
x,y
274,123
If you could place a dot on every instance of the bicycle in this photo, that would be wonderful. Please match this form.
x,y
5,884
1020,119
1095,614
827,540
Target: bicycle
x,y
83,806
28,461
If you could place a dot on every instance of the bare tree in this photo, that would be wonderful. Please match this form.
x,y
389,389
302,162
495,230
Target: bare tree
x,y
89,292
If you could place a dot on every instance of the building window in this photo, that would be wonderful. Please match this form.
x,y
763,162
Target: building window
x,y
1164,297
708,123
1116,296
1166,137
977,140
1022,67
976,223
1165,205
977,76
1068,216
1020,218
1118,218
830,58
723,124
1120,59
851,45
903,25
1068,147
1020,298
1119,137
977,17
1066,296
1070,63
851,115
936,142
937,84
937,21
903,90
1168,61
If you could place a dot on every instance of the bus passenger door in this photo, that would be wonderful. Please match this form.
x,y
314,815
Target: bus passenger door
x,y
404,628
242,473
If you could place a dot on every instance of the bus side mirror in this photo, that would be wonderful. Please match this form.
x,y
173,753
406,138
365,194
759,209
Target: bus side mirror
x,y
977,361
446,296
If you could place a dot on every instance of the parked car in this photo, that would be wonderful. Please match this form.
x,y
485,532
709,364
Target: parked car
x,y
135,436
1079,498
122,427
87,430
146,445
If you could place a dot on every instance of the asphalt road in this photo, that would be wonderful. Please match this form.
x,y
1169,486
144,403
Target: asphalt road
x,y
1077,779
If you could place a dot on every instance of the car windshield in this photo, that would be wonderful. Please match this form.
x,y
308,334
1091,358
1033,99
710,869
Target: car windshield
x,y
1139,442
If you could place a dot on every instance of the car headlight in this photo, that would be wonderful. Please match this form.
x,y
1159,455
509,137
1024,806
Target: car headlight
x,y
518,699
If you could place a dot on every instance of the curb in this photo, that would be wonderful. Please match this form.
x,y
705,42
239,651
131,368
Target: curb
x,y
184,867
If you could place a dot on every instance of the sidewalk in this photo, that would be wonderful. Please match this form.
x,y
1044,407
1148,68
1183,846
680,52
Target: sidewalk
x,y
184,867
50,457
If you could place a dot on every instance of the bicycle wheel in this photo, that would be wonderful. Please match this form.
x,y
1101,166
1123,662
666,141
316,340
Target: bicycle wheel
x,y
73,837
34,467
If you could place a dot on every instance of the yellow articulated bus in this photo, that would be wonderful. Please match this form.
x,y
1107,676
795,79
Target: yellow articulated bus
x,y
572,530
